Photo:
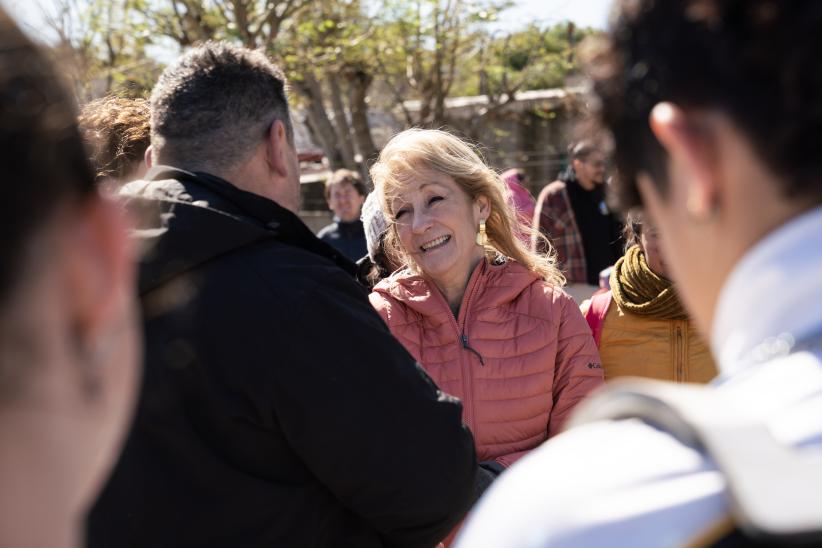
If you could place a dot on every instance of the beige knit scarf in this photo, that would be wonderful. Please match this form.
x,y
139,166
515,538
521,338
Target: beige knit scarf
x,y
636,289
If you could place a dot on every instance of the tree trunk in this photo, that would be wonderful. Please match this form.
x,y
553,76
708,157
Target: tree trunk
x,y
359,81
318,118
340,121
439,87
240,9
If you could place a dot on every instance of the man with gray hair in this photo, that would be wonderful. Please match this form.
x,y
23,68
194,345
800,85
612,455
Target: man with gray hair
x,y
277,409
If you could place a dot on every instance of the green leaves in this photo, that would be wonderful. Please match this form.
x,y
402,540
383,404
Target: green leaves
x,y
343,58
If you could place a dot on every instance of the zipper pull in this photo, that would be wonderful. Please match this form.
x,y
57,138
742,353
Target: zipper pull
x,y
465,345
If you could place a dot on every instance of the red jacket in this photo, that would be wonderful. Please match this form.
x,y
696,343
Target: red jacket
x,y
520,355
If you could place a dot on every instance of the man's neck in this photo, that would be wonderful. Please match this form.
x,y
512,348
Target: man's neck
x,y
255,176
246,178
37,529
34,511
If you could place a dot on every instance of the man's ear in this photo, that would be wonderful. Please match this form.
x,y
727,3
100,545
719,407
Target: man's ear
x,y
99,264
276,148
691,151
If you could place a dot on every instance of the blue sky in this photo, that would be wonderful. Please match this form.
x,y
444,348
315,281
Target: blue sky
x,y
585,13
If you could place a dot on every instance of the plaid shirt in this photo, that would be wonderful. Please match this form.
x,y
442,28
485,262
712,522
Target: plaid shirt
x,y
555,219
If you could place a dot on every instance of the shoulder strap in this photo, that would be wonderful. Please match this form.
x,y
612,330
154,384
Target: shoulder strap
x,y
773,489
595,315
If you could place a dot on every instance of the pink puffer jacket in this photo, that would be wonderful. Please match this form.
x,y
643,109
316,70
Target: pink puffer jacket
x,y
520,355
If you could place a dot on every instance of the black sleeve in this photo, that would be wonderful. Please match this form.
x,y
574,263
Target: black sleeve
x,y
368,421
487,472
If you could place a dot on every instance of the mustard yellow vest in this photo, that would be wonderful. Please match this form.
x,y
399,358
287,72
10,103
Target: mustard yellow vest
x,y
643,346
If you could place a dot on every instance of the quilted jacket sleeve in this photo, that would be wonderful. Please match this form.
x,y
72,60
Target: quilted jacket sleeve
x,y
578,368
381,304
508,460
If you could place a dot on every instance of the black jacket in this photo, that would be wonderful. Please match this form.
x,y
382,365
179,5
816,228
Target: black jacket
x,y
347,238
277,409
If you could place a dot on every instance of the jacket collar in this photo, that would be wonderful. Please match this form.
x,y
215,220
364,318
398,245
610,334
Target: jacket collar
x,y
350,228
187,218
227,198
491,285
772,294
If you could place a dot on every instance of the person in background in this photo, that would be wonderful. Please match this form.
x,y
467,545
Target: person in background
x,y
640,325
377,265
715,108
573,215
485,317
117,131
521,199
277,408
69,336
345,194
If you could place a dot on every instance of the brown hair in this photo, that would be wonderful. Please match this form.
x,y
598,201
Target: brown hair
x,y
345,176
118,131
447,154
632,231
581,150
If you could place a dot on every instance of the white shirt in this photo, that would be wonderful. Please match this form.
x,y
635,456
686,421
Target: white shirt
x,y
626,483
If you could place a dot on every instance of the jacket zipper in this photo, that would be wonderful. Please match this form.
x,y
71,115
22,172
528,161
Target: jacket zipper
x,y
678,354
459,327
466,346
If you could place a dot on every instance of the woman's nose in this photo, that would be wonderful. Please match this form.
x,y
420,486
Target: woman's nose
x,y
420,223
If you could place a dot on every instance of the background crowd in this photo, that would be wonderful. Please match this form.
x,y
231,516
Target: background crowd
x,y
373,383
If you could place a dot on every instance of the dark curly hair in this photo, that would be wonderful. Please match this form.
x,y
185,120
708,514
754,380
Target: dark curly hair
x,y
755,60
118,132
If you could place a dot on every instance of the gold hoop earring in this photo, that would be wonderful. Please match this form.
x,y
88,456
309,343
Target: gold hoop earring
x,y
482,236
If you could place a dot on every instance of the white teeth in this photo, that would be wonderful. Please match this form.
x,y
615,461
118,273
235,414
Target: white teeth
x,y
435,243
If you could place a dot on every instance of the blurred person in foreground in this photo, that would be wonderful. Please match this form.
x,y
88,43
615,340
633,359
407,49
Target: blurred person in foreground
x,y
716,111
639,324
117,131
345,193
485,317
573,215
277,408
69,333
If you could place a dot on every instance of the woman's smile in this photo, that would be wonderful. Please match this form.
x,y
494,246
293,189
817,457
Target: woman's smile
x,y
436,243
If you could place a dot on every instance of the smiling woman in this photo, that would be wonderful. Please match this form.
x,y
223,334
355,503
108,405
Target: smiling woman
x,y
485,317
436,225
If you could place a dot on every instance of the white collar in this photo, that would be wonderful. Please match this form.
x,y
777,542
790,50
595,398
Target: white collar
x,y
775,290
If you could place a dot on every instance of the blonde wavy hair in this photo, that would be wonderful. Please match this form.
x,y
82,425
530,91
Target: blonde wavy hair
x,y
449,155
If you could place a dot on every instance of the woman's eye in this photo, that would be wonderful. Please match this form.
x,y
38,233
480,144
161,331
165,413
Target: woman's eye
x,y
434,199
399,214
